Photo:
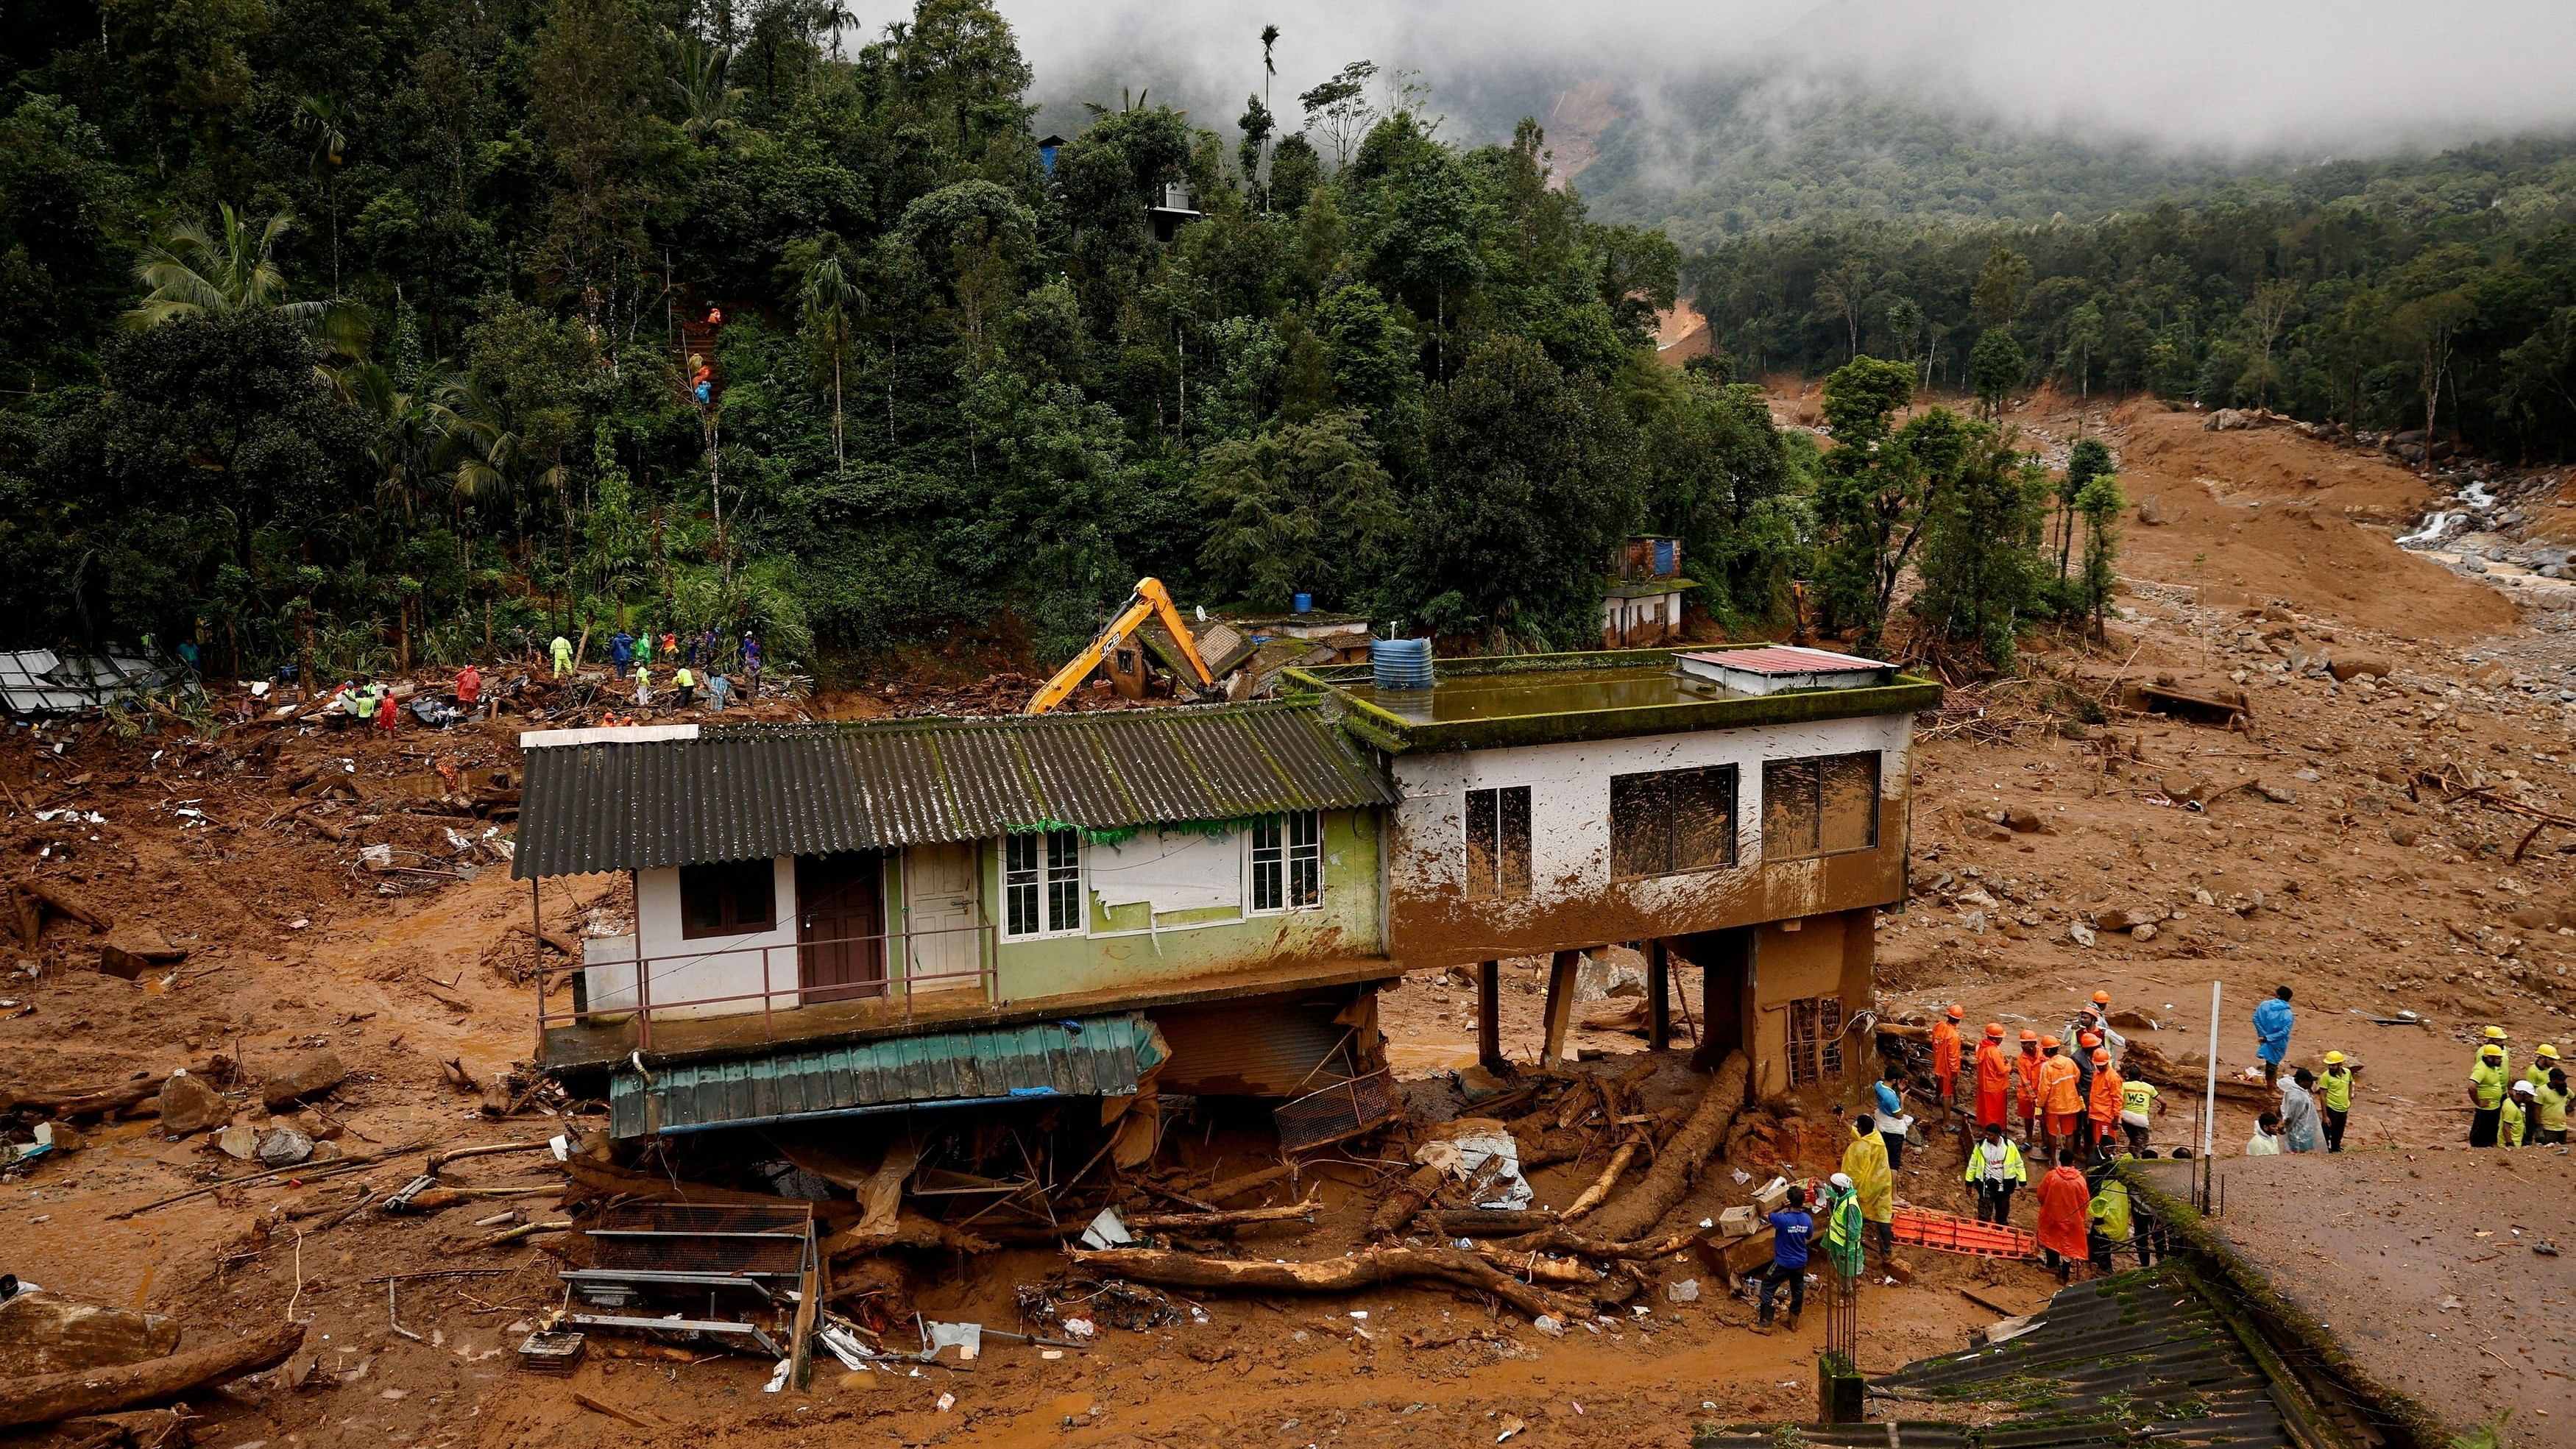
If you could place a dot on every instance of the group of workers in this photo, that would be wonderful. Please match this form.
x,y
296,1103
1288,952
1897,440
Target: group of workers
x,y
2511,1111
374,701
696,661
2067,1090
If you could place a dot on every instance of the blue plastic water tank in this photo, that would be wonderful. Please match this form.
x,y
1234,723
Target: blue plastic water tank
x,y
1400,663
1303,603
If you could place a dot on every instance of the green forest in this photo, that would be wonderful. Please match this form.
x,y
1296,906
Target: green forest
x,y
367,334
2374,294
374,336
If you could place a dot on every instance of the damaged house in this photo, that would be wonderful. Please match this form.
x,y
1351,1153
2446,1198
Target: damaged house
x,y
833,921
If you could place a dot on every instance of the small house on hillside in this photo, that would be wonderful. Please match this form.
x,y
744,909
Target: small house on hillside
x,y
1641,601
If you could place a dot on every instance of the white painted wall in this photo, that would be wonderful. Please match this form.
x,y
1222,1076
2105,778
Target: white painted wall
x,y
1570,798
684,970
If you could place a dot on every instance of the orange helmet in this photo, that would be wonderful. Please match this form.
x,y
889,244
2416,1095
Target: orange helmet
x,y
1995,1029
2029,1036
1954,1013
2101,1056
2048,1043
2088,1039
2101,998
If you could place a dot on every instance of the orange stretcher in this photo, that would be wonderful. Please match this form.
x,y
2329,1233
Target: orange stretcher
x,y
1950,1233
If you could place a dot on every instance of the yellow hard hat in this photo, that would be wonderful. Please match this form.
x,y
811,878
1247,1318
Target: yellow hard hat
x,y
2491,1050
2334,1059
2545,1050
2496,1033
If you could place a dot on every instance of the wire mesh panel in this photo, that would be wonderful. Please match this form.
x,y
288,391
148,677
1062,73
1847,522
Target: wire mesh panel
x,y
1341,1109
692,1238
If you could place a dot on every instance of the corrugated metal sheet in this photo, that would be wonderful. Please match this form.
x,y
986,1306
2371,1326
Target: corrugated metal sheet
x,y
1096,1056
1266,1049
2137,1357
39,681
752,791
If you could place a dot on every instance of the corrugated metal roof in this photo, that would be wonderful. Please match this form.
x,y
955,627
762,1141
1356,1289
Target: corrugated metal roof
x,y
1095,1056
751,791
2133,1357
40,681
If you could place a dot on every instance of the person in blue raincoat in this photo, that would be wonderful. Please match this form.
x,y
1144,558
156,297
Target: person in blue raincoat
x,y
2272,1022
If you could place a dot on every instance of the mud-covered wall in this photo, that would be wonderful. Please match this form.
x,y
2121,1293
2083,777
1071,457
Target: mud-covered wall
x,y
1573,899
1816,956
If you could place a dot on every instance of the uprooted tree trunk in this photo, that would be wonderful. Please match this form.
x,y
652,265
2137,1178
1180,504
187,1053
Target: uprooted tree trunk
x,y
44,1398
1367,1268
1636,1212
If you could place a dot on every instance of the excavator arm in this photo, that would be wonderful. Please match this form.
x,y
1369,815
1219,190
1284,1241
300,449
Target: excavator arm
x,y
1150,600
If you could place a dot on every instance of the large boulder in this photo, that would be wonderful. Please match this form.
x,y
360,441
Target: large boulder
x,y
189,1105
2347,667
309,1075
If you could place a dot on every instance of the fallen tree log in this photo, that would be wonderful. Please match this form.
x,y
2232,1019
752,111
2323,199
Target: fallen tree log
x,y
86,1104
1637,1211
44,1398
1364,1269
1600,1188
1238,1186
910,1230
1410,1196
2142,1060
1531,1268
1554,1239
1484,1222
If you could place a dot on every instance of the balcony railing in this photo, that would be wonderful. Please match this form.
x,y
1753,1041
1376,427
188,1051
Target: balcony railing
x,y
781,968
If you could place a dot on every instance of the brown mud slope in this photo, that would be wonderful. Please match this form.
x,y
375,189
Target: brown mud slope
x,y
2265,514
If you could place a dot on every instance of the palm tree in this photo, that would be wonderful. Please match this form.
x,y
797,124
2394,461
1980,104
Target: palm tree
x,y
408,430
484,450
191,273
828,303
701,86
324,120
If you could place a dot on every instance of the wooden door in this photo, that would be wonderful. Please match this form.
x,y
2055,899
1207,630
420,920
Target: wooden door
x,y
943,950
840,926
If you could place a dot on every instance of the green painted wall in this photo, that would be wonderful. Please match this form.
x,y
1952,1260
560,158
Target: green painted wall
x,y
1348,925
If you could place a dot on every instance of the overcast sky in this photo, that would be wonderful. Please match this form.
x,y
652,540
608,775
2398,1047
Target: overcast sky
x,y
2316,76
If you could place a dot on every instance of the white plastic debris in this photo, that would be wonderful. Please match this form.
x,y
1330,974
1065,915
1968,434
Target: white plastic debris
x,y
966,1338
777,1378
947,1402
1108,1230
843,1345
1549,1324
1684,1291
1486,1157
1080,1328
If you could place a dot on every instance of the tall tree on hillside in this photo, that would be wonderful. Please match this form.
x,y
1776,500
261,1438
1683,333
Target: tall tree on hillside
x,y
2084,333
1341,107
1981,566
2100,504
1533,477
2265,316
324,122
827,308
1842,289
1301,508
1995,368
2429,328
1878,483
2089,459
1996,299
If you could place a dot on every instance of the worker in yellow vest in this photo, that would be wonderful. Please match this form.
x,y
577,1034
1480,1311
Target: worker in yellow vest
x,y
2544,1060
2138,1106
2514,1117
2334,1093
2486,1095
2549,1110
2495,1037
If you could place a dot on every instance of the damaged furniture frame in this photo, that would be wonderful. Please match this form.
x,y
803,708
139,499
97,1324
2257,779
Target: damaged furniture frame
x,y
758,1256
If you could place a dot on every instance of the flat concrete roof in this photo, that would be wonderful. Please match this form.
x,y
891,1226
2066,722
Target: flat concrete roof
x,y
2419,1265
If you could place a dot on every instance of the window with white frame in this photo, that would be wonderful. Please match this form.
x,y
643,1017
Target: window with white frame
x,y
1041,883
1288,861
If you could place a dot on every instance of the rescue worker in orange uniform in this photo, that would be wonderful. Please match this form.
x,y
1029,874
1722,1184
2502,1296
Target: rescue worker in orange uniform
x,y
1945,1061
2026,1084
2103,1111
2061,1097
1994,1079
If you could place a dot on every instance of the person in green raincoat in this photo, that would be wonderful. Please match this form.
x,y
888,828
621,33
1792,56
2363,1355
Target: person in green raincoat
x,y
1843,1229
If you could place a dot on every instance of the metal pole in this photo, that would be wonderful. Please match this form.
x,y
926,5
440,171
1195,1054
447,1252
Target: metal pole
x,y
537,950
2209,1103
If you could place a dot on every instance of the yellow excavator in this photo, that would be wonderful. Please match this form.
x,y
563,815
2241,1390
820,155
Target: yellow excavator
x,y
1149,600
